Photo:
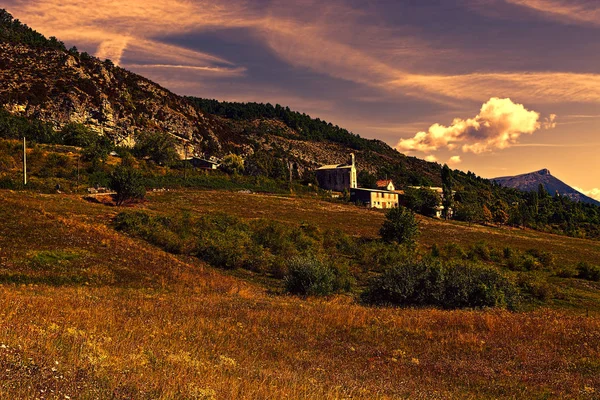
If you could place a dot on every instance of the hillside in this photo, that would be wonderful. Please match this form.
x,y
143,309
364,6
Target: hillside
x,y
44,81
53,95
530,183
91,312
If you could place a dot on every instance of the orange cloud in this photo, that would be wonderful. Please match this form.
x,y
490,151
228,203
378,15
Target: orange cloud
x,y
328,38
498,125
571,11
454,160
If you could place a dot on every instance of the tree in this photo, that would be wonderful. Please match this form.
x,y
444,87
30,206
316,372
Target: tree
x,y
400,226
447,184
232,164
158,146
74,134
487,215
468,212
128,184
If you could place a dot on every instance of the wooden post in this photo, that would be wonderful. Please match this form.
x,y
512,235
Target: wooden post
x,y
24,161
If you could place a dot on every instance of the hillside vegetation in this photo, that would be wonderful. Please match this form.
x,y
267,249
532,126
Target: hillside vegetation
x,y
90,312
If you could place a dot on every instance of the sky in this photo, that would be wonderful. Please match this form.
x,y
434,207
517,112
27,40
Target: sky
x,y
497,87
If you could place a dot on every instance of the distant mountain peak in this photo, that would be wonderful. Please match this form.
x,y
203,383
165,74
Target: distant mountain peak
x,y
530,183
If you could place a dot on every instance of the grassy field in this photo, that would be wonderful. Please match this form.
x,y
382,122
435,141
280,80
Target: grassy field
x,y
87,312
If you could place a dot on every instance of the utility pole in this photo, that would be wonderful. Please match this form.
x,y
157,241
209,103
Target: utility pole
x,y
185,162
24,161
78,158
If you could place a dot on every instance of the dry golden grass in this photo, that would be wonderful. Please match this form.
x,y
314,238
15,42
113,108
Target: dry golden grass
x,y
145,324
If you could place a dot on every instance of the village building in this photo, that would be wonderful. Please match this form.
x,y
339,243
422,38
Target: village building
x,y
338,177
385,184
209,163
374,198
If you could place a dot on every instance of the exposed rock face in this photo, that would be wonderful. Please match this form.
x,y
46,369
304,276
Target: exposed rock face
x,y
530,182
60,87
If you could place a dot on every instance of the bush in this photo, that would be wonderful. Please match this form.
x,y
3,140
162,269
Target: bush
x,y
454,251
127,183
400,226
588,272
309,276
430,283
535,287
480,251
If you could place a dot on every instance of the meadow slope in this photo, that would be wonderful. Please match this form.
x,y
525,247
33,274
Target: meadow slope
x,y
87,312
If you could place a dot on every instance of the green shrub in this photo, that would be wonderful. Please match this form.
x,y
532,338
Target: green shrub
x,y
430,283
530,263
378,256
535,287
453,251
400,226
480,251
588,272
566,272
309,276
545,258
127,183
435,250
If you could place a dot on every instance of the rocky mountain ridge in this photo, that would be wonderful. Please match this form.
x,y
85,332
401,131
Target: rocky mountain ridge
x,y
43,81
530,182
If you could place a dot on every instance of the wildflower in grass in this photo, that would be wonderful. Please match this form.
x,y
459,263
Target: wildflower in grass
x,y
227,361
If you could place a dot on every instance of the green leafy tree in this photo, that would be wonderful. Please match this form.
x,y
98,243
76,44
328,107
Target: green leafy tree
x,y
127,183
447,185
74,134
158,146
232,164
400,226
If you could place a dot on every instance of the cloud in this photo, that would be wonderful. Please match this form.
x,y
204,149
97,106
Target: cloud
x,y
572,11
539,87
593,193
431,158
454,160
498,125
549,122
331,38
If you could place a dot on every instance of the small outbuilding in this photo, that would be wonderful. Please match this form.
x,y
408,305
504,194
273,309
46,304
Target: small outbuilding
x,y
210,163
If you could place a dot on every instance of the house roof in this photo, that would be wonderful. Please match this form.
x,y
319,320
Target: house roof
x,y
374,190
334,166
383,182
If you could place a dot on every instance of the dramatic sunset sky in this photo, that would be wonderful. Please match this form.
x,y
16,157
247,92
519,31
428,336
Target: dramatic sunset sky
x,y
499,87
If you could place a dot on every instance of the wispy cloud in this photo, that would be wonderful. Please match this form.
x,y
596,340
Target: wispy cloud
x,y
331,38
567,11
498,125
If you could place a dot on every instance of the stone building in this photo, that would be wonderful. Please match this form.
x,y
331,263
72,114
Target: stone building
x,y
338,177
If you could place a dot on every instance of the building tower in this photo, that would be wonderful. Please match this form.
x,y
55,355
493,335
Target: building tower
x,y
353,180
